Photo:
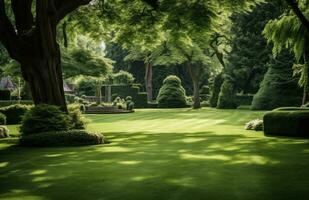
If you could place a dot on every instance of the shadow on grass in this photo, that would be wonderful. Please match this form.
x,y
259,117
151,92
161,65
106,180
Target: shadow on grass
x,y
177,166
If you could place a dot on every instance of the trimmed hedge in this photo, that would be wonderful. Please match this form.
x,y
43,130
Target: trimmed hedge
x,y
244,99
2,119
215,90
5,94
172,94
62,138
227,96
287,123
45,118
14,113
278,89
122,91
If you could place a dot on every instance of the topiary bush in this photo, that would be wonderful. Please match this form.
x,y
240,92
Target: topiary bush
x,y
45,118
14,113
287,123
215,90
172,94
2,119
227,96
4,132
278,89
62,138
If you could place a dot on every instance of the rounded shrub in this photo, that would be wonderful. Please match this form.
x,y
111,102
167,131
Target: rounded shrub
x,y
62,138
215,90
287,123
45,118
227,96
14,113
278,89
2,119
172,94
4,132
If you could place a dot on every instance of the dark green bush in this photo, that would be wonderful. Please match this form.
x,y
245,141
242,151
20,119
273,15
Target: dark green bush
x,y
278,89
287,123
62,138
14,113
5,95
45,118
215,90
291,108
244,99
227,96
2,119
172,94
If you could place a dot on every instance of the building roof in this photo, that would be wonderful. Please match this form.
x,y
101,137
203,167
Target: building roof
x,y
6,83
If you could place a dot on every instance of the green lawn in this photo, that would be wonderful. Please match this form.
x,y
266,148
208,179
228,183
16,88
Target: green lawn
x,y
177,154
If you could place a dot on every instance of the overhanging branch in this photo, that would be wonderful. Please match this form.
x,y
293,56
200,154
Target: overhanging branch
x,y
64,7
294,5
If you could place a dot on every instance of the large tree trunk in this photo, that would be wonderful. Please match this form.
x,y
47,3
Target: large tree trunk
x,y
196,89
33,44
148,81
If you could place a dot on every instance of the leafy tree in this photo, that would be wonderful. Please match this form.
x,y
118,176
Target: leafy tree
x,y
289,31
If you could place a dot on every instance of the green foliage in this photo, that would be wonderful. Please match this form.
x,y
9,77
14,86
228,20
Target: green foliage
x,y
14,113
172,94
291,108
123,78
84,62
12,102
244,99
215,90
77,119
227,96
4,132
287,123
279,88
2,119
62,138
246,62
44,118
5,94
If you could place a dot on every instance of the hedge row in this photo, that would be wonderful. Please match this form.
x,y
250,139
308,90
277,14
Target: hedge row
x,y
62,138
14,113
12,102
287,123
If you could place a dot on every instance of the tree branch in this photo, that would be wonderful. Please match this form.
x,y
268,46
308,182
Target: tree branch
x,y
8,36
294,5
64,7
23,15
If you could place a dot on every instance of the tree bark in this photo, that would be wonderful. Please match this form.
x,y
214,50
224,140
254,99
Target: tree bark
x,y
148,81
196,89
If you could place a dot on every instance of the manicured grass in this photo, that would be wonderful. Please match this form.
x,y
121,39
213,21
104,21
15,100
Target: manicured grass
x,y
177,154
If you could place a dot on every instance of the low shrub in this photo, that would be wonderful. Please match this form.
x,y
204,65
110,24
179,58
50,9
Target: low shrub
x,y
2,119
244,99
152,105
172,94
205,104
256,125
45,118
287,123
12,102
14,113
62,138
4,132
77,119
